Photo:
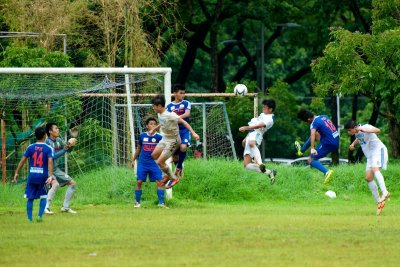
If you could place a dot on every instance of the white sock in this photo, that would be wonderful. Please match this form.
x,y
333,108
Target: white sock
x,y
381,182
50,194
374,190
68,195
256,168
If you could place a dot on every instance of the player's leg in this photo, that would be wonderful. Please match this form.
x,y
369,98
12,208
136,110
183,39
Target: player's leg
x,y
185,142
65,179
29,208
378,161
322,151
169,147
50,194
30,192
369,177
141,177
42,206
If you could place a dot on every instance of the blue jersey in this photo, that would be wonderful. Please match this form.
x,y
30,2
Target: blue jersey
x,y
148,143
324,126
38,154
180,108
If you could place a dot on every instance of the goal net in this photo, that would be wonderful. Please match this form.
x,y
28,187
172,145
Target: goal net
x,y
107,106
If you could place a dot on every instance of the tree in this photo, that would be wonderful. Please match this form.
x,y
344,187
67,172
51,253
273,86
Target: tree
x,y
367,64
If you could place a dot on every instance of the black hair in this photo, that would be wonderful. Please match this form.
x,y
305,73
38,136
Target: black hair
x,y
304,115
178,86
350,124
148,120
158,100
49,126
270,103
40,132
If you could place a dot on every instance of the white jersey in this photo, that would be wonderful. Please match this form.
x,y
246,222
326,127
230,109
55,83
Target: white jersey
x,y
169,124
267,119
370,143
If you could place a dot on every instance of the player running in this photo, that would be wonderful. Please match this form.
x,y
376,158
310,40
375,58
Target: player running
x,y
257,127
322,129
377,157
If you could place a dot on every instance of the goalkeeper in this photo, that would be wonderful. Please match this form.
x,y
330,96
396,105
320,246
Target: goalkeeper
x,y
60,148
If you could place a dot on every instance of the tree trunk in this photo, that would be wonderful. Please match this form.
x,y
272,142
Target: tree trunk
x,y
394,130
334,117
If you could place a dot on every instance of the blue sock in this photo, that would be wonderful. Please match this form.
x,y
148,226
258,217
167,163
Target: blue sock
x,y
160,194
42,205
138,195
29,208
182,156
306,145
318,165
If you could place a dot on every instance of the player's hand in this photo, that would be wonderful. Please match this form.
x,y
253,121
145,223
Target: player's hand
x,y
133,163
351,147
242,129
16,178
49,179
196,136
313,151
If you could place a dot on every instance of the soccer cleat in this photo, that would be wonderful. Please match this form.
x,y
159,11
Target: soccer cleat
x,y
328,177
165,180
380,207
272,176
136,205
263,168
298,148
385,198
172,183
68,210
162,206
39,219
48,211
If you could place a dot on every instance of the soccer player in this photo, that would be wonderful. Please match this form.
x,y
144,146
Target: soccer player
x,y
40,172
170,140
377,157
146,164
63,179
257,127
322,129
181,107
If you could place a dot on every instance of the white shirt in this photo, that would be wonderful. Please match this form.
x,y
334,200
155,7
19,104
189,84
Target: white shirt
x,y
169,124
370,143
267,119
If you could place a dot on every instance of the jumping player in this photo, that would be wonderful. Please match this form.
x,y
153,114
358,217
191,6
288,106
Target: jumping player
x,y
181,107
377,157
146,164
322,129
40,172
170,140
257,127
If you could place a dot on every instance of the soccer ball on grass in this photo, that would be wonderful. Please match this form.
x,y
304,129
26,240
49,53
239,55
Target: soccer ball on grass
x,y
240,89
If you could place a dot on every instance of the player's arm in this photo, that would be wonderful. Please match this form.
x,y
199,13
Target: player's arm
x,y
50,163
368,129
186,114
252,127
187,126
20,164
312,141
352,145
136,155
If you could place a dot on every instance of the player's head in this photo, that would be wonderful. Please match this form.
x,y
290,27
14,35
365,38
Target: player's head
x,y
268,106
40,133
52,129
158,103
305,115
179,91
151,122
350,126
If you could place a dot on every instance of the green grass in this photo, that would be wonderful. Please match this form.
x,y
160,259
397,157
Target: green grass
x,y
221,215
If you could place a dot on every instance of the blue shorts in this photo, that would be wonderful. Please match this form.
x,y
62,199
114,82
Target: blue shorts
x,y
35,191
152,170
323,150
185,137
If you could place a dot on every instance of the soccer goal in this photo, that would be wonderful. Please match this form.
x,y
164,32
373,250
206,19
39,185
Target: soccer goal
x,y
106,105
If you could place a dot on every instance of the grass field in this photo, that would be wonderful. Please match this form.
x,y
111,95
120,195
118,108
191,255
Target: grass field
x,y
221,215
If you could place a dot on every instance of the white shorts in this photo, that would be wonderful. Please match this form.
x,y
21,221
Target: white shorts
x,y
252,136
378,158
169,146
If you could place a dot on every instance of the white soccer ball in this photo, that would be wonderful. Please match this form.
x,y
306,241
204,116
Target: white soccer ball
x,y
240,89
330,194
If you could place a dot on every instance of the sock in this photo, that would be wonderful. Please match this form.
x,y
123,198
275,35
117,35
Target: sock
x,y
306,145
256,154
29,208
381,182
182,156
374,190
42,205
50,195
138,195
167,170
160,194
318,165
68,195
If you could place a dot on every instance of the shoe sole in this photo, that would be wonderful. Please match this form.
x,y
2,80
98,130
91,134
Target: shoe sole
x,y
172,184
381,205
